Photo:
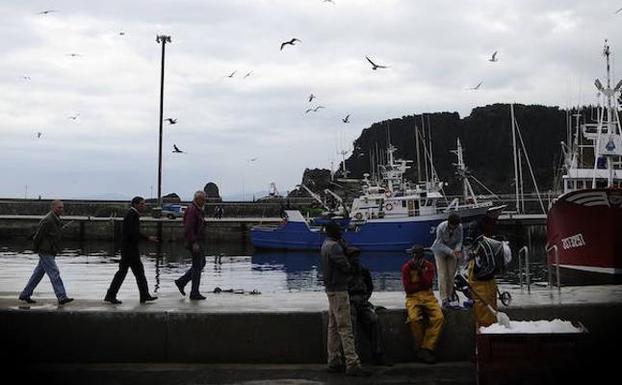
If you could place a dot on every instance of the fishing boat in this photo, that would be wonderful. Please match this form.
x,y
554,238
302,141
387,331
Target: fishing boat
x,y
584,224
391,214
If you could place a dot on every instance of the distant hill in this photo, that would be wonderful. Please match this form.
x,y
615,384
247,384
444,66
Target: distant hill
x,y
486,138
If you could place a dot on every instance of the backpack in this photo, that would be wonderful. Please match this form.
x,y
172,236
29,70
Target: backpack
x,y
491,257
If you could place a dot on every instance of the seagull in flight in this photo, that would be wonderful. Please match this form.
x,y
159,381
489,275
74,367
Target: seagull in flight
x,y
476,87
47,11
291,42
313,109
177,150
346,119
39,134
252,159
232,73
311,97
374,65
26,77
72,54
247,75
493,57
171,120
73,117
122,33
618,11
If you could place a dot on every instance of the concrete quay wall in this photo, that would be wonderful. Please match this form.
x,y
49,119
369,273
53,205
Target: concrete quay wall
x,y
109,229
85,336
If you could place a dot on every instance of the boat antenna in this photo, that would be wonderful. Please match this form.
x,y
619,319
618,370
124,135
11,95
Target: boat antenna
x,y
417,152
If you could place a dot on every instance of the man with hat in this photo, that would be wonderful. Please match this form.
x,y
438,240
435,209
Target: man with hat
x,y
425,316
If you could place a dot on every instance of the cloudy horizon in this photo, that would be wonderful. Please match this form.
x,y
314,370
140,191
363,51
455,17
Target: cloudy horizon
x,y
100,64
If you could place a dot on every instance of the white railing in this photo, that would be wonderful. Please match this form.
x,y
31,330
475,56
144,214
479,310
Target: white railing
x,y
524,251
559,286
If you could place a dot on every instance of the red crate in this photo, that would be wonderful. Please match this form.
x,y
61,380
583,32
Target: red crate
x,y
528,358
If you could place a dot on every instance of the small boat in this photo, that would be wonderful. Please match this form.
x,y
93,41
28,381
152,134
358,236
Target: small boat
x,y
584,224
389,216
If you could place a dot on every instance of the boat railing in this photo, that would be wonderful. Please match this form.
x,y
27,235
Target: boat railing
x,y
524,252
556,250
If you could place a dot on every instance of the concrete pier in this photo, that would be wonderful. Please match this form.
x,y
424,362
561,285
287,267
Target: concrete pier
x,y
260,329
267,339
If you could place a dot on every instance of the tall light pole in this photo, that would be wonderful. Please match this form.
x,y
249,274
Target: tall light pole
x,y
161,39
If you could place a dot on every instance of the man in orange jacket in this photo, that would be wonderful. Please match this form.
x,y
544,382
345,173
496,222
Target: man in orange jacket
x,y
425,316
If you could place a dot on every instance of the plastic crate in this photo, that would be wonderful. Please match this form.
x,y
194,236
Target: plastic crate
x,y
529,358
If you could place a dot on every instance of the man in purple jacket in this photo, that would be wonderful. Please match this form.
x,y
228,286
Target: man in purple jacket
x,y
193,232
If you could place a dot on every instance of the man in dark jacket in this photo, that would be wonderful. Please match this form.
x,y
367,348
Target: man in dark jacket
x,y
46,243
363,312
130,255
337,272
194,223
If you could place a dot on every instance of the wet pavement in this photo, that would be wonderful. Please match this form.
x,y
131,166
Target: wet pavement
x,y
181,374
245,302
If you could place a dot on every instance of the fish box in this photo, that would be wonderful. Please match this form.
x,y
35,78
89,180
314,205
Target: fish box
x,y
530,357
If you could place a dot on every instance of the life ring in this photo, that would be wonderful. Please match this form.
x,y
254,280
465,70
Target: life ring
x,y
358,216
388,207
388,194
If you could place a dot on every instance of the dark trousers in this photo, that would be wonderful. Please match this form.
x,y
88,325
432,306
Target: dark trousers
x,y
130,259
194,273
365,319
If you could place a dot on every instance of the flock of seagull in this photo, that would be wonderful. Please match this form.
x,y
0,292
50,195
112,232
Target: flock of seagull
x,y
292,42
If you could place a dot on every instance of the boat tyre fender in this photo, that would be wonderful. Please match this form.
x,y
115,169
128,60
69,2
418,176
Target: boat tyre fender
x,y
358,216
388,194
388,207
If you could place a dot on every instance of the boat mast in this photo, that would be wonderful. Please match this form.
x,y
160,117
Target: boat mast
x,y
612,120
515,156
467,190
417,151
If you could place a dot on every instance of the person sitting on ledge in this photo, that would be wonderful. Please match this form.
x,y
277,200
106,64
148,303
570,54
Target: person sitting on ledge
x,y
425,316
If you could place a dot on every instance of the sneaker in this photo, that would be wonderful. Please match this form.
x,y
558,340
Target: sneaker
x,y
26,299
468,303
426,356
180,287
113,301
64,300
358,371
149,298
339,368
197,297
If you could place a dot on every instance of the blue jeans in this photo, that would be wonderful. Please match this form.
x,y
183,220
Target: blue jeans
x,y
194,273
47,265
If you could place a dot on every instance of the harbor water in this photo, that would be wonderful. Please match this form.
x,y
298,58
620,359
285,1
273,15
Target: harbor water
x,y
87,269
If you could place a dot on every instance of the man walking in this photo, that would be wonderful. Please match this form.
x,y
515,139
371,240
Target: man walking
x,y
130,255
337,271
193,232
46,244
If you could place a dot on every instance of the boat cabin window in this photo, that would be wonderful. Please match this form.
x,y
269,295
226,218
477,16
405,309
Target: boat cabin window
x,y
569,185
601,183
580,184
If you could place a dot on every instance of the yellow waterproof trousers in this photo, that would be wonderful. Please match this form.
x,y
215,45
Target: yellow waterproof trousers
x,y
425,318
488,291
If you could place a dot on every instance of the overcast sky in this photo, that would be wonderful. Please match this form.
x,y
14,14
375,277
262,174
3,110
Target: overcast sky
x,y
244,132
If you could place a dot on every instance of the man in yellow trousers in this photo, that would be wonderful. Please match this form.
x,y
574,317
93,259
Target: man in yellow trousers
x,y
425,316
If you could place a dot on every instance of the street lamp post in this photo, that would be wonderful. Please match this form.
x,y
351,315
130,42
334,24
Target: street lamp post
x,y
161,39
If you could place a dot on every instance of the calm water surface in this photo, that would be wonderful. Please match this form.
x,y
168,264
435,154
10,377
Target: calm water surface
x,y
88,268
